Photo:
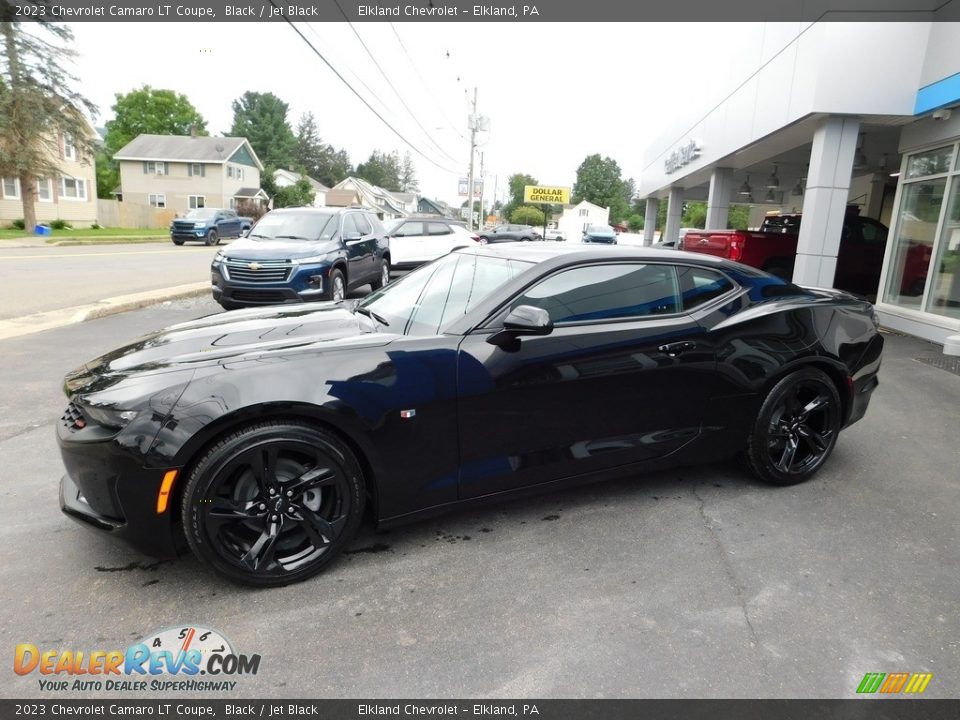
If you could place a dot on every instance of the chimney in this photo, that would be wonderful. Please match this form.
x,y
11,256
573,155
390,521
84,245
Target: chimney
x,y
193,130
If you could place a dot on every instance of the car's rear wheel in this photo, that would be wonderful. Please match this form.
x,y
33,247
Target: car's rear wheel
x,y
484,239
336,286
273,503
796,429
212,238
384,276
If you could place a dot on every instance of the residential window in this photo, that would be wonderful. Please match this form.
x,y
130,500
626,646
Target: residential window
x,y
151,167
197,201
584,212
234,172
11,188
69,148
229,171
73,189
44,190
239,172
197,169
158,201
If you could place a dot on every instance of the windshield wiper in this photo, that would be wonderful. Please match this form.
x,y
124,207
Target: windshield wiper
x,y
258,235
291,237
370,313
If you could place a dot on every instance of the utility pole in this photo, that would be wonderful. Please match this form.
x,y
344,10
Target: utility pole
x,y
495,178
473,123
481,216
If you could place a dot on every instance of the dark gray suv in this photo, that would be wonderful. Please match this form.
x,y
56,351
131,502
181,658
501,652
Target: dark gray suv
x,y
510,233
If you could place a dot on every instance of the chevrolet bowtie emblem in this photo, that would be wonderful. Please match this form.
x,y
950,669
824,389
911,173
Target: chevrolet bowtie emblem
x,y
254,266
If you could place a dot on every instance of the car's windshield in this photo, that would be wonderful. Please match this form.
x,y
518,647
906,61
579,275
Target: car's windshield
x,y
600,229
201,214
296,226
435,295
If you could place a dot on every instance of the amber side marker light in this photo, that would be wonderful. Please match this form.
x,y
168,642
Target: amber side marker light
x,y
164,495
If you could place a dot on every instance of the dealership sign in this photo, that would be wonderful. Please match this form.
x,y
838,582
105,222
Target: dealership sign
x,y
683,155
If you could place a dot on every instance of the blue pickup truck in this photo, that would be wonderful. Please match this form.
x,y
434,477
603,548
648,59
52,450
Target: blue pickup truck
x,y
208,225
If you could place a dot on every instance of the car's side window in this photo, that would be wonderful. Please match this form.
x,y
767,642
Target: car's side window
x,y
699,285
428,313
409,229
435,228
362,224
606,291
349,224
375,224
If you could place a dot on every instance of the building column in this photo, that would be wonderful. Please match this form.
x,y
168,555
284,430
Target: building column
x,y
674,212
650,220
825,201
718,201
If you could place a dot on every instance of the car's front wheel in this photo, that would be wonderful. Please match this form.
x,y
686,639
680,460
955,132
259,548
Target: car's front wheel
x,y
273,503
336,286
177,242
212,238
796,429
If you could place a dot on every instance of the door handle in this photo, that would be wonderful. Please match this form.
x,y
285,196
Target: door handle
x,y
674,349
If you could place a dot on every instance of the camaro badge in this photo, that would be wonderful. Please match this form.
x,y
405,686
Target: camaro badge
x,y
254,266
407,414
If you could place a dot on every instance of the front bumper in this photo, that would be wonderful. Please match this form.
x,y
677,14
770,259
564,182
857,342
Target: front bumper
x,y
195,234
305,283
106,489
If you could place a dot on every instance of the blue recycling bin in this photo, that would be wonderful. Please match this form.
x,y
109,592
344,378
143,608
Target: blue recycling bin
x,y
43,230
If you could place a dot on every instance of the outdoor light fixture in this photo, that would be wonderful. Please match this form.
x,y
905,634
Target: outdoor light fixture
x,y
859,158
773,182
797,189
745,189
770,197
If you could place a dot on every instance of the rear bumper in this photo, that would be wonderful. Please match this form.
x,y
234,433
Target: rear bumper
x,y
865,381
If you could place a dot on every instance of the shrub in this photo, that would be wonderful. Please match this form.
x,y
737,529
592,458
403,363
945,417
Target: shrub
x,y
635,223
96,226
17,225
527,215
59,224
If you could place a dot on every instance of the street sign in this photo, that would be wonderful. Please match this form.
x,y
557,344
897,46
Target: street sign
x,y
464,182
541,194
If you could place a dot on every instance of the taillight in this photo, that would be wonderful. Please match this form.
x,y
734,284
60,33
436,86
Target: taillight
x,y
475,238
736,252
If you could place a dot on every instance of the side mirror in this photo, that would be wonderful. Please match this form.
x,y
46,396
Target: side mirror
x,y
352,236
522,320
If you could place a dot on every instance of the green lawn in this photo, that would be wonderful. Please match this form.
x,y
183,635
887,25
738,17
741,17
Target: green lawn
x,y
88,234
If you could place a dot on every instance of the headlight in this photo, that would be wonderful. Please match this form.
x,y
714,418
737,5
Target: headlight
x,y
312,260
199,225
109,417
219,257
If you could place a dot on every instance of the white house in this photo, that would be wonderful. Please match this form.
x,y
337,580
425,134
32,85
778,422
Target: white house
x,y
286,178
575,219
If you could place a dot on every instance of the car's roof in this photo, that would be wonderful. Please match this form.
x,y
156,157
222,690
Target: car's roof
x,y
541,251
318,210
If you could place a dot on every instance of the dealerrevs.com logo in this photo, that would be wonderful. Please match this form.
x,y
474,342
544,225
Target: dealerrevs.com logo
x,y
171,660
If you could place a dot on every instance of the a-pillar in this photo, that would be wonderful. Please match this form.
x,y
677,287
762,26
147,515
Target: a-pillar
x,y
718,202
650,220
825,201
674,211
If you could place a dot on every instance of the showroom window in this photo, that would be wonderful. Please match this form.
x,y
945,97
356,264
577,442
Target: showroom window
x,y
924,269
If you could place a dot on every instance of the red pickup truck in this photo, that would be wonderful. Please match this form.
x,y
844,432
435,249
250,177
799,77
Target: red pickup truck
x,y
774,249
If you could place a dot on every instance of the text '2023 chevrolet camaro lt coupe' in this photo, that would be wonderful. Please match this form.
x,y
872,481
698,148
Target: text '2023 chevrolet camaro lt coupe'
x,y
260,436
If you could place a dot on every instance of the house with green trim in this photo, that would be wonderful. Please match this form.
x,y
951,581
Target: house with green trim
x,y
183,172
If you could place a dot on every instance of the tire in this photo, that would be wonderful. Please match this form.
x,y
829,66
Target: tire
x,y
484,239
178,242
227,305
789,419
212,238
384,275
273,503
525,239
332,292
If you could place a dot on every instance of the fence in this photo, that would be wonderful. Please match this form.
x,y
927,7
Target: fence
x,y
113,213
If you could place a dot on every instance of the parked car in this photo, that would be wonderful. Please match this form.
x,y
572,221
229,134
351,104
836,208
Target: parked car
x,y
414,241
600,234
555,234
208,225
260,436
773,248
295,255
510,233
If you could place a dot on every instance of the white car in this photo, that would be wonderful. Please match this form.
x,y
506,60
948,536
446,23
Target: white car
x,y
555,234
415,241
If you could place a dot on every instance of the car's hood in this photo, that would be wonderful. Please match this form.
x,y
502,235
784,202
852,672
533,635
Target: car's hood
x,y
250,248
232,335
605,235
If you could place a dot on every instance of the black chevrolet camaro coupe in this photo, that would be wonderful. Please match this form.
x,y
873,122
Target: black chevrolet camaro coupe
x,y
260,436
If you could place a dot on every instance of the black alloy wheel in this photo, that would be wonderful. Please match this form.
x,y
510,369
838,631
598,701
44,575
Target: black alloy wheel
x,y
273,503
212,238
796,429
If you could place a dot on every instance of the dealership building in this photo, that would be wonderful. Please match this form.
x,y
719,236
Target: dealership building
x,y
823,119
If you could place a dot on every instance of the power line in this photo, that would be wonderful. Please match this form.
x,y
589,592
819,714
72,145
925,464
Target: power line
x,y
390,83
360,97
425,84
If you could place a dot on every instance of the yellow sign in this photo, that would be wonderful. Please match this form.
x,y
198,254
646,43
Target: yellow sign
x,y
538,194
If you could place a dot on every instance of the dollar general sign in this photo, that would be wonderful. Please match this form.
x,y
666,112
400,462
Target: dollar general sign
x,y
538,194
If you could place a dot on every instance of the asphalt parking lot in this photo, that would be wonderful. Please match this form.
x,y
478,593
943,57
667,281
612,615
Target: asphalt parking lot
x,y
692,583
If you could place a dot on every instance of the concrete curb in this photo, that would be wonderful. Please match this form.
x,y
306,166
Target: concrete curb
x,y
51,319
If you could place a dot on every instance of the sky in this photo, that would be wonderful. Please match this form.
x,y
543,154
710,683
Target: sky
x,y
553,92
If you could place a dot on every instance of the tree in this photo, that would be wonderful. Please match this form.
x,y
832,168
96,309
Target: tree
x,y
300,194
408,175
38,107
738,217
146,110
382,169
599,182
261,118
694,214
516,183
320,160
635,223
527,215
